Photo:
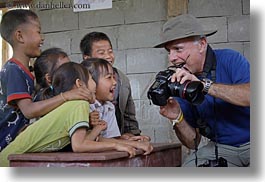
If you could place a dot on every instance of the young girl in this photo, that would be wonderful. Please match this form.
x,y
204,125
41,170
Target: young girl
x,y
44,67
102,72
65,124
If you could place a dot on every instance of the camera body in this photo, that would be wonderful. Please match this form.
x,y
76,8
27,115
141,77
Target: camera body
x,y
163,88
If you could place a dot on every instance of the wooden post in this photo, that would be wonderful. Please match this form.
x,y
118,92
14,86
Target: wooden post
x,y
5,48
5,52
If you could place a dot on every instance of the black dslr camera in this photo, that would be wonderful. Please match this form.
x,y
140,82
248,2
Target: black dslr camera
x,y
163,88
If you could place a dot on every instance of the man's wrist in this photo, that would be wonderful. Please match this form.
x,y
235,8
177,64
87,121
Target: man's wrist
x,y
178,120
207,84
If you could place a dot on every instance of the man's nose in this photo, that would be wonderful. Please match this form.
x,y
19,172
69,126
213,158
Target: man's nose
x,y
172,55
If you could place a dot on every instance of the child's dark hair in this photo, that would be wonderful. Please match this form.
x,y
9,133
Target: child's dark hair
x,y
64,78
12,19
97,67
88,40
47,62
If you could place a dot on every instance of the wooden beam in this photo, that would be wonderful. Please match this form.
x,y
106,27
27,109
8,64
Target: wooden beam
x,y
177,7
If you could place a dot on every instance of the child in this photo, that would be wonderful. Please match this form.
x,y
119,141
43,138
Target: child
x,y
102,72
98,45
21,29
44,66
65,124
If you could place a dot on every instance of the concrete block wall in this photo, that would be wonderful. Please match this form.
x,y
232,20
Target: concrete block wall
x,y
134,27
232,18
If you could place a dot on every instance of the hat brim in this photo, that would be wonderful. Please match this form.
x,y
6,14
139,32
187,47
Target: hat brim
x,y
206,33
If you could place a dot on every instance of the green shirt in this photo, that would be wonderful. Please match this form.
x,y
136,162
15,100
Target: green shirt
x,y
50,133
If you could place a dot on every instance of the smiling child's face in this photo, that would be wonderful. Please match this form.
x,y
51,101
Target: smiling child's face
x,y
32,38
106,86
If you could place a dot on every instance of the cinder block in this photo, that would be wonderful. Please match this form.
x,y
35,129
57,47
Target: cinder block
x,y
162,134
120,60
205,8
139,35
148,132
146,60
76,37
215,23
104,17
150,114
60,40
55,20
238,28
76,58
140,84
237,46
152,123
137,11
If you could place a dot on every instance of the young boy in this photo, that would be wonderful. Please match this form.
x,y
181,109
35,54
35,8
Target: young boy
x,y
98,45
21,29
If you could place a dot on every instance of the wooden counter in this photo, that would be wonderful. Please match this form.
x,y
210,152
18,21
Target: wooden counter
x,y
163,155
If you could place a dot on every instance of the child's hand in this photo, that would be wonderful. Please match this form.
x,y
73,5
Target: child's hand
x,y
102,125
126,148
93,118
80,93
142,138
130,136
146,146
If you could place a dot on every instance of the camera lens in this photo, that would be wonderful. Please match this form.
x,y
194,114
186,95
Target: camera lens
x,y
189,90
162,89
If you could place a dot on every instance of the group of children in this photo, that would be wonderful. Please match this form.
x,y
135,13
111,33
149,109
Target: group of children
x,y
76,105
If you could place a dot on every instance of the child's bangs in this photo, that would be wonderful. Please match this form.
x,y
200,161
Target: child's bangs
x,y
105,69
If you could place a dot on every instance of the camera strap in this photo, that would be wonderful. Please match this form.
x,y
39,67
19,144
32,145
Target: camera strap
x,y
209,67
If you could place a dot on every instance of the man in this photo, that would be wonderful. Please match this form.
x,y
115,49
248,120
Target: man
x,y
224,115
98,45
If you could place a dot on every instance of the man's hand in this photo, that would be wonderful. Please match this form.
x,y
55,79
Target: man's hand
x,y
182,75
171,110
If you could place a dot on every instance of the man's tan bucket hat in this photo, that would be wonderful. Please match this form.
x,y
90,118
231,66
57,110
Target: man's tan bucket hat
x,y
180,27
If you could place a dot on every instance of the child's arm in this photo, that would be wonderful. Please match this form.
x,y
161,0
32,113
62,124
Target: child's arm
x,y
95,132
146,146
81,143
36,109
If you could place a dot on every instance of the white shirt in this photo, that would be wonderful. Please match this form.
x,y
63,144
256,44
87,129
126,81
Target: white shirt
x,y
107,113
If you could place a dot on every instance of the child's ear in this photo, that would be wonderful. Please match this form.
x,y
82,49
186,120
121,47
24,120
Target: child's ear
x,y
19,36
78,83
48,78
86,57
